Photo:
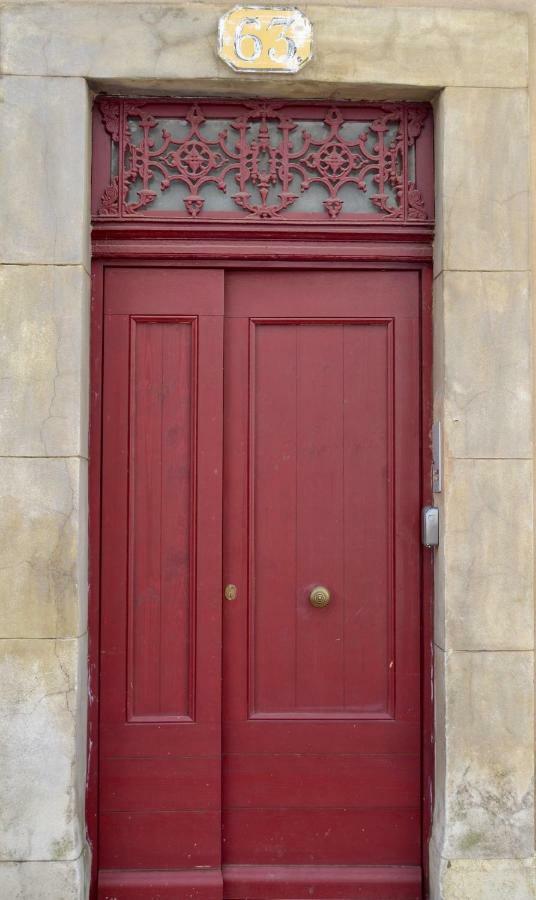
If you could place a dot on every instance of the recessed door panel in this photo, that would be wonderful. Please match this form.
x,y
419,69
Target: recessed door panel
x,y
321,412
163,402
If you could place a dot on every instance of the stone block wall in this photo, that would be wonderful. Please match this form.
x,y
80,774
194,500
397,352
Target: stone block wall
x,y
484,604
44,391
473,64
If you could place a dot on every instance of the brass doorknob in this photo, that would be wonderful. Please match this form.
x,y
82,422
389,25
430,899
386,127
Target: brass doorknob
x,y
319,597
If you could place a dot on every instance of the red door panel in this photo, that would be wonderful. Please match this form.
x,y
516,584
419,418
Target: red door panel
x,y
162,421
321,486
374,782
309,443
160,779
354,836
149,785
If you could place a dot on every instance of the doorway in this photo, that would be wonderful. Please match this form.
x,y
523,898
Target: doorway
x,y
260,457
260,639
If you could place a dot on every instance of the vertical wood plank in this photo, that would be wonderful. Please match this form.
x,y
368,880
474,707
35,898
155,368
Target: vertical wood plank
x,y
320,480
145,513
274,535
368,483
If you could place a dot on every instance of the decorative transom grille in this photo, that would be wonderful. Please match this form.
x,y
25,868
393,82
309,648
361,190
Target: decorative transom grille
x,y
263,160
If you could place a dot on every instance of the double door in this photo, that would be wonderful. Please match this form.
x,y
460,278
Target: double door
x,y
260,630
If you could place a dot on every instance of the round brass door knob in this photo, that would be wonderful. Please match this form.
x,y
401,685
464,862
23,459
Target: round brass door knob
x,y
319,597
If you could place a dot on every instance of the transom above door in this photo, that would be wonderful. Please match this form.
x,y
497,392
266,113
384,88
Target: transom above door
x,y
269,162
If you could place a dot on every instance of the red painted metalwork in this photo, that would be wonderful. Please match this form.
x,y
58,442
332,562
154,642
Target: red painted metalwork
x,y
266,156
322,248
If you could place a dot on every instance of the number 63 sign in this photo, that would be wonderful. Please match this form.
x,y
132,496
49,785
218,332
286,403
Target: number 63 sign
x,y
265,39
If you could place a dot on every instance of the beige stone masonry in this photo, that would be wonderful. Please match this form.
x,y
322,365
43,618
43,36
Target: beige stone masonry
x,y
44,214
488,775
44,353
42,691
43,555
44,880
484,601
483,363
484,598
430,48
483,879
44,344
482,187
473,63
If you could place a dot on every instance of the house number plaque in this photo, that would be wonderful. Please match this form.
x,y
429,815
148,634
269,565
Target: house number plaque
x,y
265,39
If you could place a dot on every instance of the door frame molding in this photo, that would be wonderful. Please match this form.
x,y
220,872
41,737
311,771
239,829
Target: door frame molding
x,y
147,251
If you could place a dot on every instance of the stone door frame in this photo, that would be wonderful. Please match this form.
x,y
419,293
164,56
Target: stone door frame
x,y
473,65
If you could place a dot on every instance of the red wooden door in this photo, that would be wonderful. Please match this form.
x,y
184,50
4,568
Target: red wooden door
x,y
297,393
160,646
321,772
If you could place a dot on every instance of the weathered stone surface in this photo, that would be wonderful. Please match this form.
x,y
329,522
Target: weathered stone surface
x,y
482,766
376,46
44,159
486,354
482,879
493,880
43,880
482,180
438,353
43,711
44,355
489,769
43,547
440,747
484,598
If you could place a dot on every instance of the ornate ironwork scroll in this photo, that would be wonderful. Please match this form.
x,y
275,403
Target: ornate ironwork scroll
x,y
263,160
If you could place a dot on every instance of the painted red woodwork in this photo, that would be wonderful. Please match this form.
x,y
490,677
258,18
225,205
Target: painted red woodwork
x,y
321,416
322,486
336,882
261,406
160,631
171,885
321,490
162,405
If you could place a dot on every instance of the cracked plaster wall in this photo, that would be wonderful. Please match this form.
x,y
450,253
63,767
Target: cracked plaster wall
x,y
475,66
